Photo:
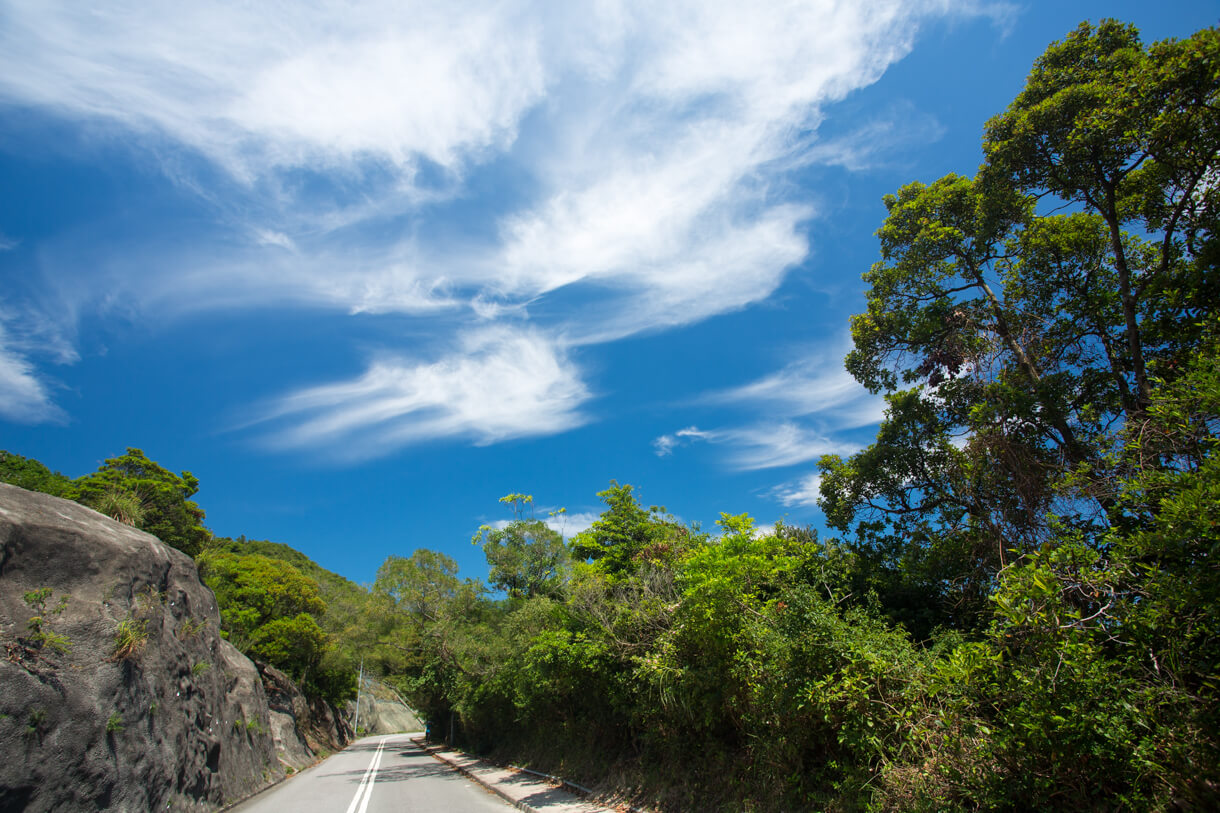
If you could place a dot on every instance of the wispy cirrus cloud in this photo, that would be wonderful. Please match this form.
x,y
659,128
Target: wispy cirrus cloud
x,y
665,444
648,146
804,410
877,141
802,492
760,445
497,384
816,386
24,396
264,86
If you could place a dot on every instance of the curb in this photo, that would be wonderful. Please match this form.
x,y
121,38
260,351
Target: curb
x,y
579,791
519,805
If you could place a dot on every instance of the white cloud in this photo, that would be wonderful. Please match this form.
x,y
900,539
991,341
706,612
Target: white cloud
x,y
498,384
257,86
816,386
806,407
570,524
803,492
768,446
877,141
649,145
277,272
760,446
656,138
765,530
7,243
23,395
270,237
566,524
665,444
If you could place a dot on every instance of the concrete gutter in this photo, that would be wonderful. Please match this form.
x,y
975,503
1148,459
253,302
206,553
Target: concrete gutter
x,y
522,788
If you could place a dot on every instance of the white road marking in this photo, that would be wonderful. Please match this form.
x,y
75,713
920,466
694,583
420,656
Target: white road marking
x,y
366,784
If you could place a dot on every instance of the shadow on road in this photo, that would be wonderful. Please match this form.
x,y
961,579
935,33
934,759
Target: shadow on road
x,y
420,764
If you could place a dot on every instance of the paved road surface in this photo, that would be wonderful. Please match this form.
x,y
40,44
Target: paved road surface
x,y
377,775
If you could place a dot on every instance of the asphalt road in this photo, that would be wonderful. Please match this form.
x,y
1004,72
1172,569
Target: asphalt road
x,y
377,775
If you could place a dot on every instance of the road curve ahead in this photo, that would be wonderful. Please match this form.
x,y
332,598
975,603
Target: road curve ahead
x,y
377,775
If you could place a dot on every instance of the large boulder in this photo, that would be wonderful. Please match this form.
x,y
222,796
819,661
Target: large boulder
x,y
118,691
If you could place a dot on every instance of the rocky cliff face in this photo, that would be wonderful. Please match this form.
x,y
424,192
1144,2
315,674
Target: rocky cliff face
x,y
118,692
305,729
382,711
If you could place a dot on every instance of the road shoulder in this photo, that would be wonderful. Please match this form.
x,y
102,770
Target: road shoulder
x,y
520,789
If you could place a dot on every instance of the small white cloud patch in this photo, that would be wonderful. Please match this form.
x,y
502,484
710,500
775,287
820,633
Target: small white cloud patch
x,y
23,395
759,446
665,444
803,492
570,524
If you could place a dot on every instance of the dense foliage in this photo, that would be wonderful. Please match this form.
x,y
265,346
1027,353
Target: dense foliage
x,y
136,490
1020,608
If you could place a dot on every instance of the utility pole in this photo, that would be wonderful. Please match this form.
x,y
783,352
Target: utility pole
x,y
359,687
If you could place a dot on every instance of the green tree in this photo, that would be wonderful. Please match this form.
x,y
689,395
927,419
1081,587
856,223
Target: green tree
x,y
345,618
1130,134
626,534
527,558
410,616
295,645
165,508
420,586
254,590
271,611
1014,343
27,473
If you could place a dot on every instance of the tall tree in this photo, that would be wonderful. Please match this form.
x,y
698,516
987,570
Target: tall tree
x,y
1016,319
527,558
270,611
627,533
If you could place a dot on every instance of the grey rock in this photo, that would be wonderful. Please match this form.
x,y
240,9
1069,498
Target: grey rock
x,y
305,729
181,722
382,711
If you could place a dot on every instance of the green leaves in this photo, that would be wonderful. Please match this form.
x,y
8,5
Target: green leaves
x,y
150,497
527,558
627,536
268,609
1015,319
295,644
32,475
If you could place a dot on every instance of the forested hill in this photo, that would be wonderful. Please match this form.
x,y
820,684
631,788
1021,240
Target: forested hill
x,y
1018,605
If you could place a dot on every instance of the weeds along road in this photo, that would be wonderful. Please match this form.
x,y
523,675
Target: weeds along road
x,y
377,775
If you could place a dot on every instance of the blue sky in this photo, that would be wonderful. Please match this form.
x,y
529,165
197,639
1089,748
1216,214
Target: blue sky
x,y
363,268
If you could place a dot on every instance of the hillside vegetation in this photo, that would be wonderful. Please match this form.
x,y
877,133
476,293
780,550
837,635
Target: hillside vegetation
x,y
1018,603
